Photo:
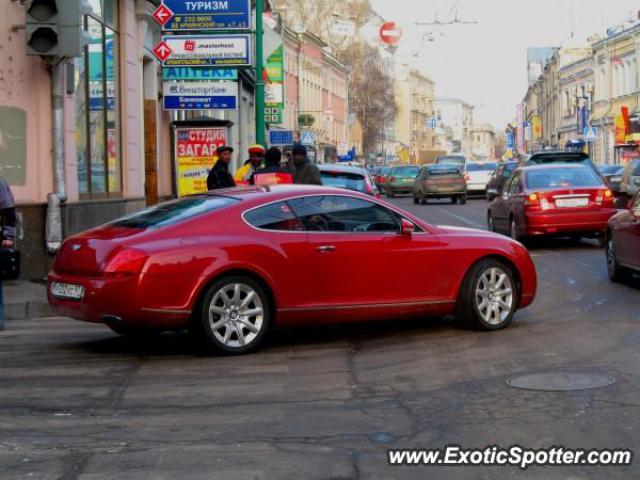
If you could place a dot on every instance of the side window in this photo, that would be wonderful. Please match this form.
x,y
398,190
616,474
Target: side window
x,y
335,213
277,216
636,169
514,187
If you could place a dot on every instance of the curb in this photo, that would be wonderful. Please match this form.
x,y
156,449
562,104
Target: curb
x,y
20,311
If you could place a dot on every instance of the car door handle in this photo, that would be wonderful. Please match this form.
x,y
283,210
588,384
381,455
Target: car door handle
x,y
325,248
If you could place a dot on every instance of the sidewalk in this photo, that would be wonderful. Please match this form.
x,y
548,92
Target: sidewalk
x,y
25,300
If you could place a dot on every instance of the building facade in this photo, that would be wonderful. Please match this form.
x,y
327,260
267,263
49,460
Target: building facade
x,y
483,139
457,116
114,153
415,97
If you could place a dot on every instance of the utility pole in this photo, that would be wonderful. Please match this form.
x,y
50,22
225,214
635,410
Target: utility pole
x,y
260,121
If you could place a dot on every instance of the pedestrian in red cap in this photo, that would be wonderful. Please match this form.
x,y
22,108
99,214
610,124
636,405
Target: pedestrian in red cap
x,y
256,157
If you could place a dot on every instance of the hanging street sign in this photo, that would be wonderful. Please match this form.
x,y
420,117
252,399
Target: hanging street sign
x,y
199,73
279,138
390,33
208,15
207,50
200,95
590,134
307,137
162,51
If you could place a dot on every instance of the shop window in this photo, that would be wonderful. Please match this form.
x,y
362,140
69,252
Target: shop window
x,y
97,106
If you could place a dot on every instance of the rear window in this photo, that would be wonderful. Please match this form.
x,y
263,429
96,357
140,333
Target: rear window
x,y
610,169
481,167
175,211
564,157
457,160
405,171
561,178
350,181
443,170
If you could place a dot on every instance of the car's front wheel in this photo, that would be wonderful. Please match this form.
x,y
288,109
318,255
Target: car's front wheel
x,y
463,200
235,315
488,296
616,272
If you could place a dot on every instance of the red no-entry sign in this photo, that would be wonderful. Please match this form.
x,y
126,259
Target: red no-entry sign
x,y
390,33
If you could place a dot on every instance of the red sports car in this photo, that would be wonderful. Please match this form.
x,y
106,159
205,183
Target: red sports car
x,y
231,264
557,199
623,238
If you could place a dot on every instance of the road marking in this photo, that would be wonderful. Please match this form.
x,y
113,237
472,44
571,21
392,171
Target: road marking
x,y
465,220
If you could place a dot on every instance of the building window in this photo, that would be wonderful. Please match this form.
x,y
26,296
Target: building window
x,y
98,106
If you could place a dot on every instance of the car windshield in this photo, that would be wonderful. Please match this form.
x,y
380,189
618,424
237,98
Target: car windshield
x,y
561,178
435,170
457,160
405,171
175,211
481,167
350,181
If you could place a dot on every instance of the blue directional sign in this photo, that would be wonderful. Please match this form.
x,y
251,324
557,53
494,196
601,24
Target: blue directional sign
x,y
200,73
280,137
208,15
510,140
201,95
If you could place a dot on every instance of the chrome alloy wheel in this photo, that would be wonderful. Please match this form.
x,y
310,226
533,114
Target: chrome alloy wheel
x,y
236,315
494,296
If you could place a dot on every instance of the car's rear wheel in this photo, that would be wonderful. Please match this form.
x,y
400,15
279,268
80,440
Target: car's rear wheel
x,y
235,315
463,200
424,200
616,272
416,200
454,199
488,296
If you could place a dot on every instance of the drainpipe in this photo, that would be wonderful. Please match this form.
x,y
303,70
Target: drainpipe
x,y
54,213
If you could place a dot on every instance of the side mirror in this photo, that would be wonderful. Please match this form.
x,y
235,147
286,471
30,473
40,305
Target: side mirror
x,y
407,227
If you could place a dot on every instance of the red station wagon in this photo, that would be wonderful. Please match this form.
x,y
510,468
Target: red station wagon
x,y
557,199
231,264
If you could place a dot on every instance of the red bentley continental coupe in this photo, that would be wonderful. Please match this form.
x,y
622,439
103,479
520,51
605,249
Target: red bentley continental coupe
x,y
231,264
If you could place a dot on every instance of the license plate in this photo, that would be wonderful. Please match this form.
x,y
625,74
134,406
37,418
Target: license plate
x,y
67,291
572,202
615,179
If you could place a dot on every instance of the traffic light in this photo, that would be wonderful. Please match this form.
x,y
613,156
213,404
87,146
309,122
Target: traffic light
x,y
55,27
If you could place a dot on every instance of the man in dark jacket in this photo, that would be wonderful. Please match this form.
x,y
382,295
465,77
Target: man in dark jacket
x,y
304,172
219,176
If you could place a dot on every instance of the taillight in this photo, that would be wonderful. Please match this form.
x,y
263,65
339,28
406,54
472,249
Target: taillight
x,y
537,200
126,262
604,197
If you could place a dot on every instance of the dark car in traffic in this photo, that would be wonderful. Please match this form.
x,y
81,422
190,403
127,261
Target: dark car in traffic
x,y
623,240
348,177
400,179
612,176
562,199
440,181
500,175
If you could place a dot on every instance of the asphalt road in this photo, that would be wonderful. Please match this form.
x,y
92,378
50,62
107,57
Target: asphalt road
x,y
78,402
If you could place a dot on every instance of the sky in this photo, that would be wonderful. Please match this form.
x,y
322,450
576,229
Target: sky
x,y
485,63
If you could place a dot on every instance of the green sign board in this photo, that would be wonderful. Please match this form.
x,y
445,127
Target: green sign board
x,y
274,87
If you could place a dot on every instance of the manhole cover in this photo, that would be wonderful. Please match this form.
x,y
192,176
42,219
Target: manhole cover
x,y
560,381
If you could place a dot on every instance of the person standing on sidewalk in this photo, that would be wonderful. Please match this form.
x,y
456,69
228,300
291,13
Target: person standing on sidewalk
x,y
304,172
219,176
7,229
256,157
